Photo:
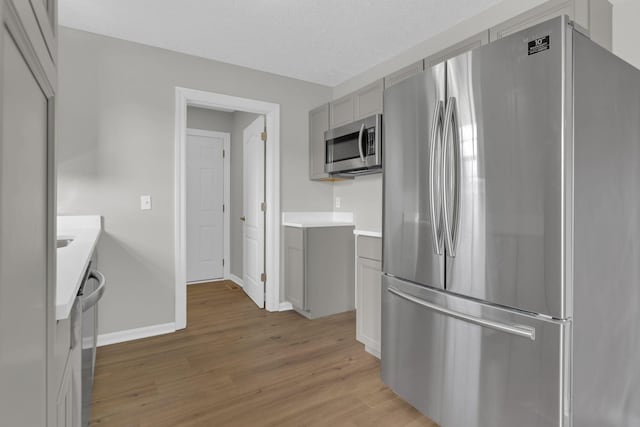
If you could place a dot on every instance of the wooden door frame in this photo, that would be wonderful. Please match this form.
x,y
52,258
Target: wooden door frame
x,y
226,192
185,97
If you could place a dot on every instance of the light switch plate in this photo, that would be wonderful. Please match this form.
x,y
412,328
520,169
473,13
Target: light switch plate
x,y
338,202
145,203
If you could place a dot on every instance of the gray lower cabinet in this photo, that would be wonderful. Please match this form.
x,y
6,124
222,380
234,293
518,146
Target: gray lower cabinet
x,y
318,124
319,271
368,292
27,213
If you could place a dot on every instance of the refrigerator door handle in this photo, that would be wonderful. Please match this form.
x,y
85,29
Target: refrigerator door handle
x,y
436,125
450,123
519,330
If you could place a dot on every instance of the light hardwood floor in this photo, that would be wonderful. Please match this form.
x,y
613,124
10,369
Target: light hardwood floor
x,y
236,365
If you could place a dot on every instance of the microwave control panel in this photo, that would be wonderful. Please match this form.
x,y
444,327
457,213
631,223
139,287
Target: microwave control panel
x,y
370,144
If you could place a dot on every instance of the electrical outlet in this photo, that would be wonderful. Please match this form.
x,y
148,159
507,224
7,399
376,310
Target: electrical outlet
x,y
338,202
145,203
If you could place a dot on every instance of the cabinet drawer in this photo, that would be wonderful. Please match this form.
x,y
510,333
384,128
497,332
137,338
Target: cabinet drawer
x,y
370,247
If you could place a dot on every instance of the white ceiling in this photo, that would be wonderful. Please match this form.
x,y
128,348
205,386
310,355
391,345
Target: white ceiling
x,y
322,41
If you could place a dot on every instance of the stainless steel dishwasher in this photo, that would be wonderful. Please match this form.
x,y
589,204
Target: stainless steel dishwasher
x,y
85,327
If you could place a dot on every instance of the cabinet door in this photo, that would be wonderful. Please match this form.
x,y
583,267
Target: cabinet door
x,y
466,45
369,303
368,100
403,73
27,220
318,124
539,14
294,260
341,111
64,401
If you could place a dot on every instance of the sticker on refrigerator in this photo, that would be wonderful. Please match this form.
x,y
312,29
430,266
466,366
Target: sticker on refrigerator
x,y
538,45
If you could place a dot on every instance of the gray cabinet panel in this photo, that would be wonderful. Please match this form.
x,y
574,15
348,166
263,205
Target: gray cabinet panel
x,y
368,100
26,246
294,278
341,111
466,45
370,247
403,73
319,270
369,303
318,124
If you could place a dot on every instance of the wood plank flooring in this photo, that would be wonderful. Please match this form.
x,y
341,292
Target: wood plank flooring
x,y
236,365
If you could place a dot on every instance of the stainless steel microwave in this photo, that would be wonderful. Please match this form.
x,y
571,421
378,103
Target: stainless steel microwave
x,y
354,149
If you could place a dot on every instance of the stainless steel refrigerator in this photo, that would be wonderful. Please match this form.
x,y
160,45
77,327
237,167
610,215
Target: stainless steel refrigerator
x,y
511,284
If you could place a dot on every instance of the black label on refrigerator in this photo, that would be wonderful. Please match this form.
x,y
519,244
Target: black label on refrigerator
x,y
538,45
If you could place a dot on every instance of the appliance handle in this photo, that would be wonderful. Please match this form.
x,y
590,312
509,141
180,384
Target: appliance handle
x,y
519,330
436,124
360,142
377,137
450,228
93,298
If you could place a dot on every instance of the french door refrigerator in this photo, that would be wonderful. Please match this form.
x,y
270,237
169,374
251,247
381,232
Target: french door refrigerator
x,y
511,266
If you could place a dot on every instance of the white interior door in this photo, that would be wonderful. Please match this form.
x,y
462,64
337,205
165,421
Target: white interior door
x,y
253,197
205,206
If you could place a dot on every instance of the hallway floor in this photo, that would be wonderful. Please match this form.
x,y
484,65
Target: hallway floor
x,y
237,365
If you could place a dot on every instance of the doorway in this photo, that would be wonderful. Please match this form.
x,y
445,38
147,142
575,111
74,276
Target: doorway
x,y
266,291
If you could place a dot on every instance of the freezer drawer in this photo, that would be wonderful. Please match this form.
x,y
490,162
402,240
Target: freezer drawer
x,y
467,364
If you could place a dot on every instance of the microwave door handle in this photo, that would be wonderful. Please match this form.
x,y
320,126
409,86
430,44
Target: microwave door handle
x,y
360,142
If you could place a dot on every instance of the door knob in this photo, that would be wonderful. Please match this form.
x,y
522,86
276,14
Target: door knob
x,y
243,218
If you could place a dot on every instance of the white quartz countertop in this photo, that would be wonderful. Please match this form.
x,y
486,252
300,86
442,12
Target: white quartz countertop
x,y
368,233
317,219
74,258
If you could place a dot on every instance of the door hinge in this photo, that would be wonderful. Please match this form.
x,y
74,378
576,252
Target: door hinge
x,y
223,262
222,208
263,136
263,277
223,153
263,207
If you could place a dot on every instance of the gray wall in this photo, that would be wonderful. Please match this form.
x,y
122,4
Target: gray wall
x,y
213,120
115,139
626,31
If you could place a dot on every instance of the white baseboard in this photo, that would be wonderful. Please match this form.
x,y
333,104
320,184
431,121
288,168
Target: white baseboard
x,y
238,281
135,334
205,281
285,306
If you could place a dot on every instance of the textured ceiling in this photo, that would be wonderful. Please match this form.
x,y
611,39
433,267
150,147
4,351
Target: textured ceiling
x,y
322,41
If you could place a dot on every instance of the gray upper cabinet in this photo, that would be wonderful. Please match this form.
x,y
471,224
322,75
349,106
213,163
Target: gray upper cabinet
x,y
368,100
358,105
593,16
463,46
318,124
403,73
341,111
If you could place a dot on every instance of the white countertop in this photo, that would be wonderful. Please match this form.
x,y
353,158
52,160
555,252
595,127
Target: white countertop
x,y
368,233
317,219
74,258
